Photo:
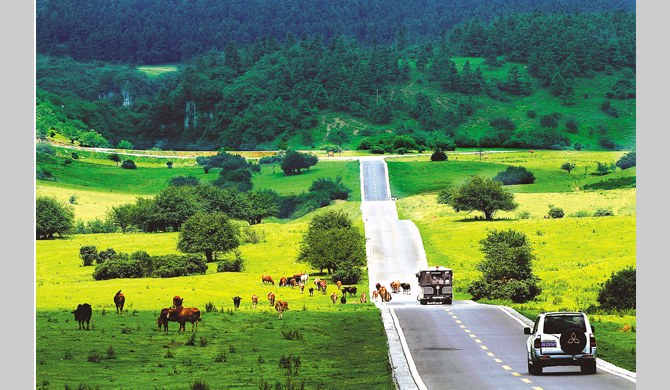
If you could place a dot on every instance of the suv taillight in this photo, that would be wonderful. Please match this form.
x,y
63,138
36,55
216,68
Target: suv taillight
x,y
592,341
537,343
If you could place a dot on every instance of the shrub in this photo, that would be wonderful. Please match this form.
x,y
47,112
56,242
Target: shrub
x,y
580,214
349,275
607,143
179,181
612,184
515,175
209,307
439,156
568,166
523,215
502,124
618,292
603,169
251,236
531,113
75,155
571,126
128,164
236,265
199,384
44,174
626,161
88,254
169,164
67,162
555,212
45,147
549,120
603,212
577,146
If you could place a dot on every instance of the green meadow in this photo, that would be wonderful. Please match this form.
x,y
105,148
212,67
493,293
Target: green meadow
x,y
574,255
98,184
246,343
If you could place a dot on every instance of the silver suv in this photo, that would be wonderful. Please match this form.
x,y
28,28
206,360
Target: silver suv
x,y
561,339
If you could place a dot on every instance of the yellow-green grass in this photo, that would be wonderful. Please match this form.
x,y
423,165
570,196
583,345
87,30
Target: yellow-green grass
x,y
574,256
251,339
414,175
157,70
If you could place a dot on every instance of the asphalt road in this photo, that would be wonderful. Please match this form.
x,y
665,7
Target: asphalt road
x,y
465,345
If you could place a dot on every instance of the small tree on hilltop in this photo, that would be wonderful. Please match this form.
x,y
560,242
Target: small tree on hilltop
x,y
208,233
481,194
618,292
506,269
568,166
52,217
115,157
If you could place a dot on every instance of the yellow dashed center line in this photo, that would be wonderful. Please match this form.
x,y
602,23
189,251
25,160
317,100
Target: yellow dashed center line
x,y
491,354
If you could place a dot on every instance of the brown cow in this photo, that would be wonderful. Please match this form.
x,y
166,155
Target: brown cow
x,y
177,301
333,297
119,300
280,306
271,298
375,295
339,284
163,320
364,299
267,279
395,286
323,285
183,314
386,297
283,281
254,300
302,287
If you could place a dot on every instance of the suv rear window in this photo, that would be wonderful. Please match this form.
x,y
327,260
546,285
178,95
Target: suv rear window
x,y
557,324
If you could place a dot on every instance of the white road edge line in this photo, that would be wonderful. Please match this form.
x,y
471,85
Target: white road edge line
x,y
602,364
408,354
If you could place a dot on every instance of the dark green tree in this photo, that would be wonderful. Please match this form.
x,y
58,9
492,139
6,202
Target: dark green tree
x,y
260,204
333,243
568,166
52,217
208,233
506,269
115,157
619,291
121,216
294,161
480,194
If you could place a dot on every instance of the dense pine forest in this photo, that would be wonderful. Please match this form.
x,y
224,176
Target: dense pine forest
x,y
257,74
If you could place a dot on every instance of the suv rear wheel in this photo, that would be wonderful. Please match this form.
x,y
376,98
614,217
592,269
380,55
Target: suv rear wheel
x,y
535,369
589,367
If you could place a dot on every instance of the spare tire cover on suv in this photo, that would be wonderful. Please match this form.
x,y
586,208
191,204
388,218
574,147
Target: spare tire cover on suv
x,y
572,341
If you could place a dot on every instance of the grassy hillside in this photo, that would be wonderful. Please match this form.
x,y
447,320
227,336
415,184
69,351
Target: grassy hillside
x,y
98,184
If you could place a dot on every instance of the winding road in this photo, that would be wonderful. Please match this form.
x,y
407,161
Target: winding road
x,y
465,345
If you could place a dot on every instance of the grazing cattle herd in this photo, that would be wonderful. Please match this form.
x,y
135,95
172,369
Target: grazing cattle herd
x,y
180,314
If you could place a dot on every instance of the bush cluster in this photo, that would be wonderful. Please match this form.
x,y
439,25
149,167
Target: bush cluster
x,y
618,292
515,175
141,265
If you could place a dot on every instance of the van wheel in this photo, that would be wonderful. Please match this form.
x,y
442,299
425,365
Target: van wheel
x,y
422,301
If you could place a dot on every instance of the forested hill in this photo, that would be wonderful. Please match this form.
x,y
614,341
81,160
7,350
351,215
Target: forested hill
x,y
160,31
537,79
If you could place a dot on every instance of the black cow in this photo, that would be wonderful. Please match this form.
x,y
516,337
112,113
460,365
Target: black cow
x,y
343,300
83,314
236,301
406,288
119,301
351,290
